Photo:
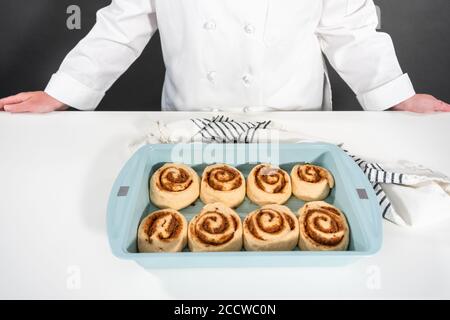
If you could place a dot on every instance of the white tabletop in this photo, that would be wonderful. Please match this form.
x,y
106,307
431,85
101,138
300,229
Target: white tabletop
x,y
57,171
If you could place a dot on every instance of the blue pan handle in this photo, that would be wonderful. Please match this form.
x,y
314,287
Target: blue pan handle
x,y
118,204
365,192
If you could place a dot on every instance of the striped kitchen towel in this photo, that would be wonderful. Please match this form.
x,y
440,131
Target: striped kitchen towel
x,y
220,129
225,130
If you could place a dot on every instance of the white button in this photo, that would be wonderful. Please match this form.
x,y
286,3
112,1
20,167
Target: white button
x,y
246,109
247,79
249,29
209,25
211,76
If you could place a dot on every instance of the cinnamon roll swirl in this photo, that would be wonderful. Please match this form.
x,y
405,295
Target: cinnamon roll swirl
x,y
310,182
163,231
222,183
174,186
215,228
268,185
323,227
271,228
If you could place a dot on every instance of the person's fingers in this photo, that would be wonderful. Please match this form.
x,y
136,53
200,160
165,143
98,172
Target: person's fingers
x,y
18,107
442,106
18,98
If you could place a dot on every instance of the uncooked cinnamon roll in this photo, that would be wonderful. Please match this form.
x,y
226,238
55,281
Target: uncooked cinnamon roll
x,y
310,182
174,186
323,227
215,228
163,231
222,183
271,228
268,185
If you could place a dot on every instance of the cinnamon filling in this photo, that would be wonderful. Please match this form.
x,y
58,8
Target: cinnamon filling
x,y
275,221
221,240
325,226
270,180
290,221
268,221
174,179
207,224
252,229
164,231
312,174
235,222
224,179
214,228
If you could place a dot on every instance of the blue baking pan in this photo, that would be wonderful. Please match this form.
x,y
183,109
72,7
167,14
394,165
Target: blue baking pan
x,y
129,203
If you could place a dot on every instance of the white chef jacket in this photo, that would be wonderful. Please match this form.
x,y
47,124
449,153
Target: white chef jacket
x,y
231,55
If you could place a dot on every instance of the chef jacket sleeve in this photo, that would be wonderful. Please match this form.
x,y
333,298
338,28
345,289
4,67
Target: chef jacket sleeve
x,y
122,31
363,57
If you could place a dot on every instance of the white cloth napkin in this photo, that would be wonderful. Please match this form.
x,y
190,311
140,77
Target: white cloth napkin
x,y
409,194
418,205
415,195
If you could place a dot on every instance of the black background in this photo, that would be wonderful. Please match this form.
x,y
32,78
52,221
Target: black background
x,y
34,39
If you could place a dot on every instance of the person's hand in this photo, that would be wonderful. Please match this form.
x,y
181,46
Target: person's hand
x,y
422,103
35,102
